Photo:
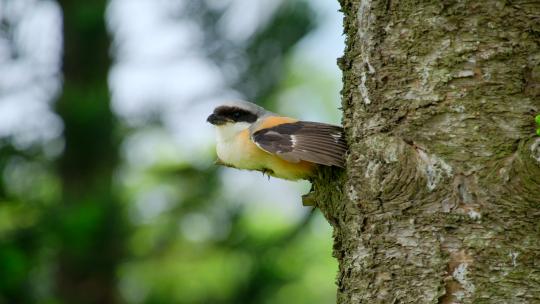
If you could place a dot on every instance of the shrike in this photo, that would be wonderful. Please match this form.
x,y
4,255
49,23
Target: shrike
x,y
250,137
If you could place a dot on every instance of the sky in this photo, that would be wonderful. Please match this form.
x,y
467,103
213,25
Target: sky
x,y
30,57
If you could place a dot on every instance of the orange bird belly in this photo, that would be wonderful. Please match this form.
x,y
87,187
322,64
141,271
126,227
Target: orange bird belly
x,y
242,153
272,164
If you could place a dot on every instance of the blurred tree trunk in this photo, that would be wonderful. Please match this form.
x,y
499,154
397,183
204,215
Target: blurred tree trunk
x,y
441,198
89,219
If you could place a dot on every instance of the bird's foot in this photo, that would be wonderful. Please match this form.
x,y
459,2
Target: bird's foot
x,y
266,171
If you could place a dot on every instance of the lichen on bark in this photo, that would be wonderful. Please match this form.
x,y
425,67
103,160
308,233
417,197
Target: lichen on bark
x,y
440,201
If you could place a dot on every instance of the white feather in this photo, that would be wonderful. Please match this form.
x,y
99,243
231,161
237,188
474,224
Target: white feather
x,y
227,132
293,140
229,149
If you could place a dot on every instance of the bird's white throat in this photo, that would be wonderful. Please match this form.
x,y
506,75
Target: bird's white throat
x,y
229,148
227,132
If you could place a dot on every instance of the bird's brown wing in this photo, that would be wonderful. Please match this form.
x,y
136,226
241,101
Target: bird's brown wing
x,y
304,140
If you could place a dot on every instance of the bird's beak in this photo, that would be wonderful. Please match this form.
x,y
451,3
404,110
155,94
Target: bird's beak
x,y
216,120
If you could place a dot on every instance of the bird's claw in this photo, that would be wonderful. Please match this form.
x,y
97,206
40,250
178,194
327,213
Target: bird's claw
x,y
267,172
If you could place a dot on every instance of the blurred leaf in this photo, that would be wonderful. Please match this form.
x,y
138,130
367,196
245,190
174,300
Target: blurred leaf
x,y
13,263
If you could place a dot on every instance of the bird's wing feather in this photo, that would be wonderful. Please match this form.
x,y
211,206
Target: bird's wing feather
x,y
304,140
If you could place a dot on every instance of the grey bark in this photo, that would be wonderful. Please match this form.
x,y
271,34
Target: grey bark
x,y
440,201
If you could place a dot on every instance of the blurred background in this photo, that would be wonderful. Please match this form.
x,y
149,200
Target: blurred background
x,y
108,191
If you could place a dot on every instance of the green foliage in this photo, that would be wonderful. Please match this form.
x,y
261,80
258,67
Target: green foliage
x,y
89,227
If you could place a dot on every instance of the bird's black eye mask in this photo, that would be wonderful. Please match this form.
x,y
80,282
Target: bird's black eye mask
x,y
226,114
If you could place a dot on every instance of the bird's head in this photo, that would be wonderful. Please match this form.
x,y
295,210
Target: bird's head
x,y
236,112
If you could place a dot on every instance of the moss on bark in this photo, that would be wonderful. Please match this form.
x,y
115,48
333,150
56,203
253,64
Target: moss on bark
x,y
440,202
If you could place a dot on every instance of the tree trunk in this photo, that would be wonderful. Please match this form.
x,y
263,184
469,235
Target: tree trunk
x,y
89,222
440,202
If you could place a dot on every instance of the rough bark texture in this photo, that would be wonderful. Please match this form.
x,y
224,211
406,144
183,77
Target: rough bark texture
x,y
440,202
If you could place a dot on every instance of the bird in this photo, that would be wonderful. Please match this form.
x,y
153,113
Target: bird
x,y
252,138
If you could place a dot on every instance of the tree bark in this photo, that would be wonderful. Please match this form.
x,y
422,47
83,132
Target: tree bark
x,y
440,201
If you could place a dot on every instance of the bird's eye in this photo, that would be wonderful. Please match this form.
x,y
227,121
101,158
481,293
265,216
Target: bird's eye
x,y
236,114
